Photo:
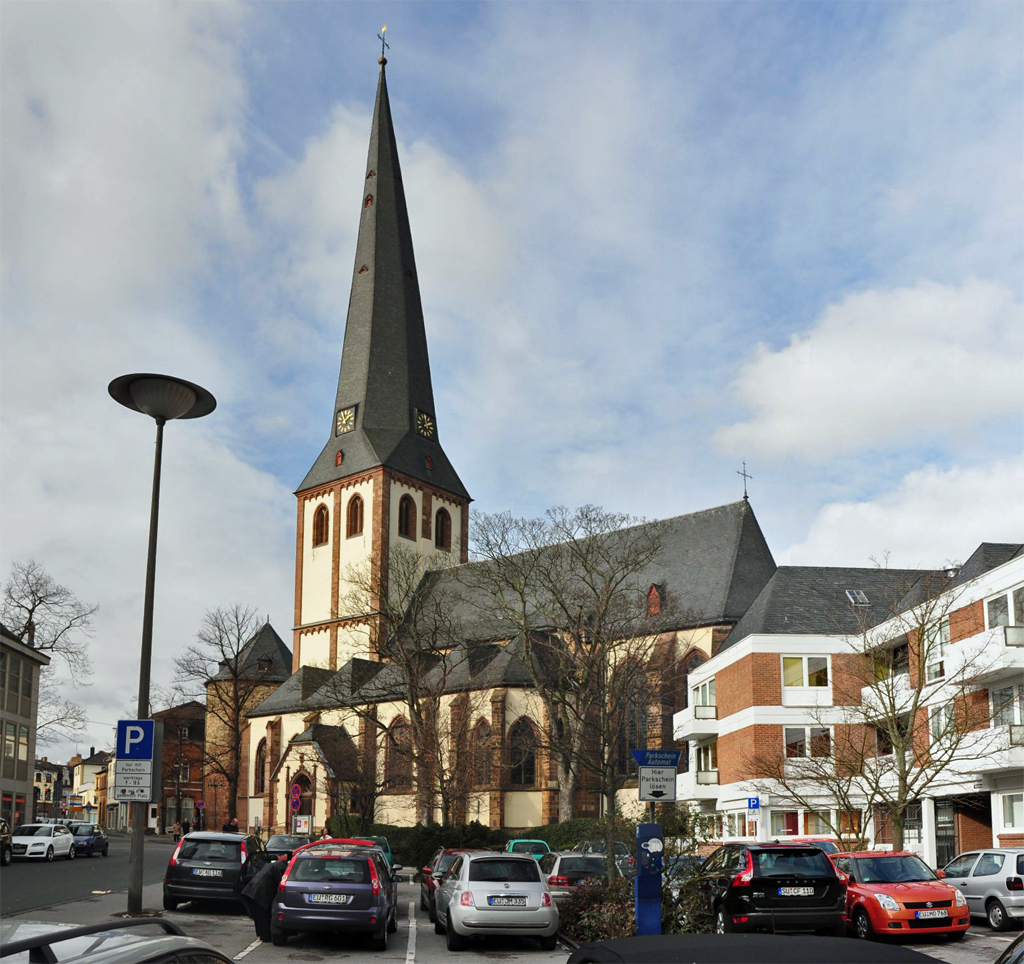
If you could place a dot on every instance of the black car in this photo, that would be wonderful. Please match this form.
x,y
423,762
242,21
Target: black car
x,y
772,887
286,843
210,866
6,847
90,839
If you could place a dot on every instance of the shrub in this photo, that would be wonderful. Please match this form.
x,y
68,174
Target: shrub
x,y
599,912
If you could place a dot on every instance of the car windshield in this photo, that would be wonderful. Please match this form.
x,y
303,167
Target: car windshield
x,y
582,867
497,871
339,870
892,870
796,863
528,847
193,849
446,861
82,829
829,846
283,841
1020,863
34,831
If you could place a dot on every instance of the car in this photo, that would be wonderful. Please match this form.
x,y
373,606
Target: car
x,y
1014,954
280,844
6,847
827,844
495,893
992,880
331,887
775,887
209,865
534,848
565,872
353,843
384,845
90,839
625,856
43,841
108,942
898,894
435,870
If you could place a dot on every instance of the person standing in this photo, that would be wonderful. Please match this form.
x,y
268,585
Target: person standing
x,y
185,827
177,831
324,835
259,893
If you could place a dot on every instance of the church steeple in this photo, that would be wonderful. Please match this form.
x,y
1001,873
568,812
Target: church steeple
x,y
384,409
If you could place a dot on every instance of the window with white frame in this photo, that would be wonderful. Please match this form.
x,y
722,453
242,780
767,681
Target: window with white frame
x,y
1008,705
940,721
805,671
785,822
1013,811
707,756
1006,609
816,823
936,647
737,825
807,741
704,694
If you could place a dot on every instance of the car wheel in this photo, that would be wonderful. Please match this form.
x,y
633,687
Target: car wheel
x,y
70,855
721,923
379,941
452,939
431,912
862,926
91,851
438,926
393,921
958,936
549,943
6,856
106,850
49,853
170,903
997,918
278,938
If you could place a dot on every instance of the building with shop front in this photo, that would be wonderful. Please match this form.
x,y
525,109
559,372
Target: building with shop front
x,y
182,766
51,788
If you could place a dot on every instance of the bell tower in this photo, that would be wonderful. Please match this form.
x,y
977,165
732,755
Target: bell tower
x,y
382,479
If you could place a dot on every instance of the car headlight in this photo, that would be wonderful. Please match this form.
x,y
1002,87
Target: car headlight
x,y
887,902
960,900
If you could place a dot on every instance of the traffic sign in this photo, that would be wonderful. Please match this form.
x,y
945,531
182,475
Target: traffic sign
x,y
138,768
132,793
657,783
200,804
135,739
656,758
296,803
753,803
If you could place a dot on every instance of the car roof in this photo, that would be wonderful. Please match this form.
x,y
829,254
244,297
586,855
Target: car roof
x,y
467,850
336,851
215,835
876,853
502,855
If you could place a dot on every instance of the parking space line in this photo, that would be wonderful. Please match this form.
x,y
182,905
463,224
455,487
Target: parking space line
x,y
410,954
256,943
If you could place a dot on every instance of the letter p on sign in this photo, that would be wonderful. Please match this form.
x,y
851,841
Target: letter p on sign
x,y
135,739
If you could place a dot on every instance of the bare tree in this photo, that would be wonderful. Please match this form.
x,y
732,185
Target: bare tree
x,y
218,668
59,718
909,709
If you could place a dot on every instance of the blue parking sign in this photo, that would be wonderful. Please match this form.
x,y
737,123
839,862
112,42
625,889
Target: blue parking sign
x,y
753,803
135,739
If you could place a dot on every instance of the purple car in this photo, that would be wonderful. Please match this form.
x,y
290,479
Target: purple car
x,y
332,888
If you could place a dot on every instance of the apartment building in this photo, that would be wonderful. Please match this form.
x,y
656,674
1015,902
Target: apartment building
x,y
822,668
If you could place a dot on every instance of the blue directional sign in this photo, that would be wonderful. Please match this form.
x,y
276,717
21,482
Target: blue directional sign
x,y
753,803
135,739
656,758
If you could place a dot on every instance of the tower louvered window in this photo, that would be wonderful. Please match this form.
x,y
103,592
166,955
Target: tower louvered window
x,y
443,530
354,522
407,517
320,526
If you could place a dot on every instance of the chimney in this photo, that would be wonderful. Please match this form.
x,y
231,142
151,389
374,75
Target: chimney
x,y
92,751
30,631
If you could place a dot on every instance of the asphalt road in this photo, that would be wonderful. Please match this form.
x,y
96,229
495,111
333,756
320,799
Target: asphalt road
x,y
27,885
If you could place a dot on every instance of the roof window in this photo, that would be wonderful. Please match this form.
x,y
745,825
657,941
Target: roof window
x,y
856,597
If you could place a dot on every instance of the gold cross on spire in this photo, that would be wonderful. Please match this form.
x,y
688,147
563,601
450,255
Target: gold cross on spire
x,y
383,43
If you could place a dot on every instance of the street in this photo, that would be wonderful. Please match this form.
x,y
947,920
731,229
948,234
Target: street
x,y
86,890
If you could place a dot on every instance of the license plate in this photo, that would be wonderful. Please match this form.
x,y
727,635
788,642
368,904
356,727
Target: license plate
x,y
328,898
20,848
796,891
926,914
503,901
197,872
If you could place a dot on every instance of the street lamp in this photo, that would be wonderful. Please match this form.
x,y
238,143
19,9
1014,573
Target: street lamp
x,y
163,398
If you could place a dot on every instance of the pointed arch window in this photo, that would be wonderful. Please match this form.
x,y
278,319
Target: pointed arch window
x,y
398,758
407,517
354,522
259,768
522,754
321,521
443,530
482,754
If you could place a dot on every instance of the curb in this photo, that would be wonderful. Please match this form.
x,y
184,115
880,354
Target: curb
x,y
568,941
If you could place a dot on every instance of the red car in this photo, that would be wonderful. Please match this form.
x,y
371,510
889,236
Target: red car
x,y
439,864
898,894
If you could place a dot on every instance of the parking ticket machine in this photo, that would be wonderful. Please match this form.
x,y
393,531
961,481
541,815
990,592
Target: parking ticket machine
x,y
650,845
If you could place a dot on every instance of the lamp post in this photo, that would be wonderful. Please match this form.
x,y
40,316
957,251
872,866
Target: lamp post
x,y
163,398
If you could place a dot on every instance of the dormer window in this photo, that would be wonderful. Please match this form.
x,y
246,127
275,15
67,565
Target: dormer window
x,y
320,525
856,597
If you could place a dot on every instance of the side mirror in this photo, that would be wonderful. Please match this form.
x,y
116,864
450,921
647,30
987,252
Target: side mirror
x,y
437,875
397,867
940,874
427,870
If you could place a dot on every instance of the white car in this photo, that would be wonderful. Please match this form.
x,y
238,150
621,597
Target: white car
x,y
492,893
43,840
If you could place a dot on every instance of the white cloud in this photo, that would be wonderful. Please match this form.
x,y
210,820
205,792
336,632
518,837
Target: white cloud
x,y
932,517
882,368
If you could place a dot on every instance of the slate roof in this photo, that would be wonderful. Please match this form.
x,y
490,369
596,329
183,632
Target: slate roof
x,y
265,644
813,600
987,556
385,370
292,695
334,747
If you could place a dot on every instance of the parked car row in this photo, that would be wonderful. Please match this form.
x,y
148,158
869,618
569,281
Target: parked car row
x,y
47,841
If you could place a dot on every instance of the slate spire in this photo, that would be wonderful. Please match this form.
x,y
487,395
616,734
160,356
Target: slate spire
x,y
384,410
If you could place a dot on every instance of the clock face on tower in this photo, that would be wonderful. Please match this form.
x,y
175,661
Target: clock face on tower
x,y
345,421
425,424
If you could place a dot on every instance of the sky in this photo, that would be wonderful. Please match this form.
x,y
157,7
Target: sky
x,y
654,241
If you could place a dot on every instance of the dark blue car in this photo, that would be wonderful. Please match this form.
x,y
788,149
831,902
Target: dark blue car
x,y
90,839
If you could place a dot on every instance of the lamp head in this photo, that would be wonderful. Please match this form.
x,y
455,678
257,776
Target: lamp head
x,y
162,397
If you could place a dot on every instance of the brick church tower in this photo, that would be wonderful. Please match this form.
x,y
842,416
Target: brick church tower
x,y
382,480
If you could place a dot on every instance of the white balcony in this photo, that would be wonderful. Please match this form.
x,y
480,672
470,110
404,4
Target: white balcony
x,y
696,723
1005,751
988,657
697,785
881,698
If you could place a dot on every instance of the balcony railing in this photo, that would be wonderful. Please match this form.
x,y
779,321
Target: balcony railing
x,y
705,712
1016,735
1014,635
707,777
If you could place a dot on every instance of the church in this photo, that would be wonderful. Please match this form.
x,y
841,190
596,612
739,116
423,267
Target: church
x,y
327,735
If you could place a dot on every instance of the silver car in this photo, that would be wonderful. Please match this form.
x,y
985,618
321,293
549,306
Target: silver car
x,y
993,883
492,893
566,872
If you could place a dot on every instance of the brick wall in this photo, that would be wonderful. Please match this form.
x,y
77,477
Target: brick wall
x,y
974,828
1011,840
966,622
735,750
755,680
850,672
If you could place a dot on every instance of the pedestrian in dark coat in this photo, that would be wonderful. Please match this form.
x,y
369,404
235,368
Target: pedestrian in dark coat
x,y
258,895
185,827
